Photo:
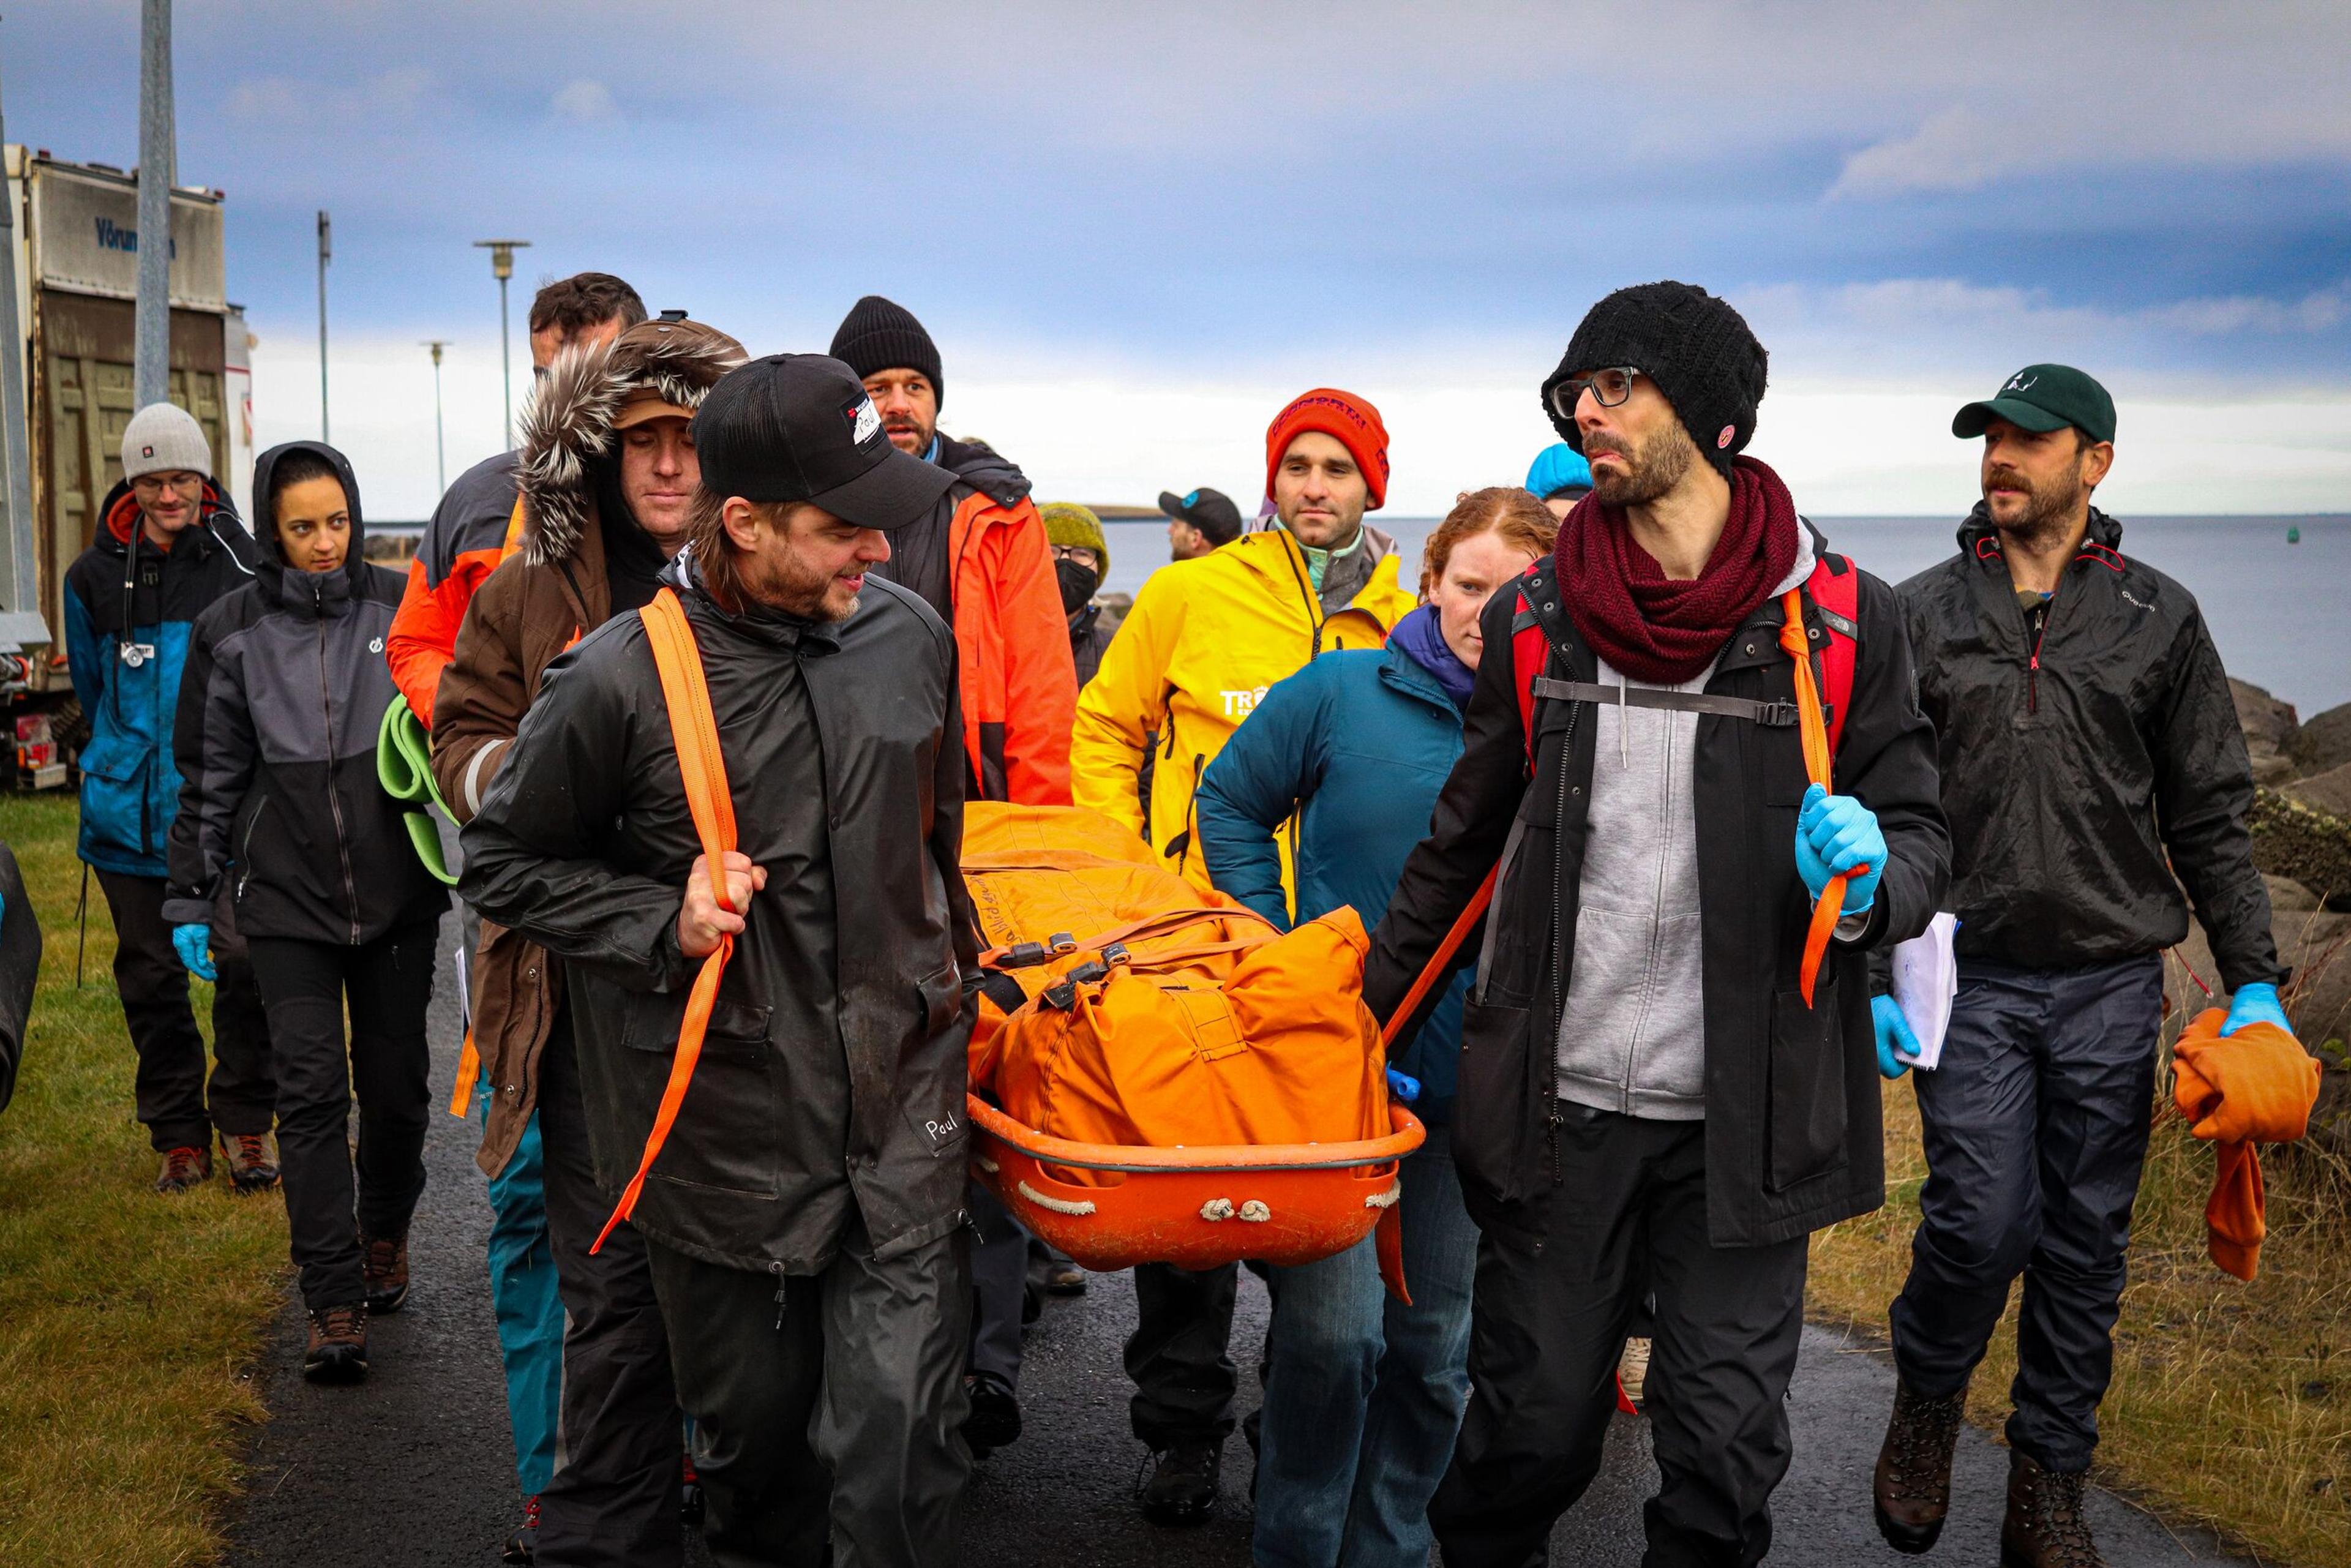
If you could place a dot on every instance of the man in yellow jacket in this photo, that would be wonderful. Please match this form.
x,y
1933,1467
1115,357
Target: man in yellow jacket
x,y
1207,637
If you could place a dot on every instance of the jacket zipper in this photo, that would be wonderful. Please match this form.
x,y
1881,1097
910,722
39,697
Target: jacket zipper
x,y
244,850
334,801
2033,666
1552,1120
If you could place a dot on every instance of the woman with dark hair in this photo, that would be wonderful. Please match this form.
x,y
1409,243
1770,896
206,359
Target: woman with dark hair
x,y
285,689
1363,1393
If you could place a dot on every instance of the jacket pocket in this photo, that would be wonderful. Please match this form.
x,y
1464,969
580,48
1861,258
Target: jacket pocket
x,y
1806,1109
728,1132
114,792
1494,1109
939,999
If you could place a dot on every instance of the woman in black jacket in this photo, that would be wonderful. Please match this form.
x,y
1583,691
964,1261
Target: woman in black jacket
x,y
275,737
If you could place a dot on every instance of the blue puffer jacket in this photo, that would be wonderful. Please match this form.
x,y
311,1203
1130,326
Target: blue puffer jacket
x,y
1355,746
128,609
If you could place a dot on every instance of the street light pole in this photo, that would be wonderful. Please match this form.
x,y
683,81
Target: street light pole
x,y
151,321
440,452
502,268
325,252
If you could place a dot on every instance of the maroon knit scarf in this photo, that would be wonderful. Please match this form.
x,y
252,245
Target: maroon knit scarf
x,y
1651,627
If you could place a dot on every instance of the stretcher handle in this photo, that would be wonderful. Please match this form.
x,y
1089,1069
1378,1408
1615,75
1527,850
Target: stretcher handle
x,y
1465,922
1811,724
1138,1158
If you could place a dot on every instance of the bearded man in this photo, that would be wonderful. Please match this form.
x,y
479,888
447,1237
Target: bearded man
x,y
802,1223
2091,767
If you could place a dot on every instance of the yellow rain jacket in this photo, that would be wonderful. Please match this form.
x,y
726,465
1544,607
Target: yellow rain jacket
x,y
1204,642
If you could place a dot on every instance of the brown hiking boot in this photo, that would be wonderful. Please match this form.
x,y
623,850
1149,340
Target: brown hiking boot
x,y
2045,1527
252,1163
384,1267
1911,1493
183,1168
338,1348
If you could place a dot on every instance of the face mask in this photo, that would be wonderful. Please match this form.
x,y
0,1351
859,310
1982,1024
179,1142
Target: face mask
x,y
1077,584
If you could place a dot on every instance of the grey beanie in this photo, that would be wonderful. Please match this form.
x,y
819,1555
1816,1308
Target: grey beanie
x,y
164,437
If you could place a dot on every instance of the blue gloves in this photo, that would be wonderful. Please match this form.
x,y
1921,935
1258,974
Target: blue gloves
x,y
1837,834
2256,1003
1404,1087
193,942
1893,1033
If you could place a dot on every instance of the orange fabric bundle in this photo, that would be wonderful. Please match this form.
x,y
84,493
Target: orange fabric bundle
x,y
1161,1021
2257,1085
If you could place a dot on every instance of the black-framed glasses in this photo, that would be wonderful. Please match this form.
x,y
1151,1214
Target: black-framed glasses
x,y
1608,388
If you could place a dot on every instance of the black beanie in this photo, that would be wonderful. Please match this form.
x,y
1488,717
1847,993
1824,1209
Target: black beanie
x,y
878,335
1697,348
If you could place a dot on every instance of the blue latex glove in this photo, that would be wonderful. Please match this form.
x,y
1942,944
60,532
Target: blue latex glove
x,y
192,942
1404,1087
1893,1034
1837,834
2256,1003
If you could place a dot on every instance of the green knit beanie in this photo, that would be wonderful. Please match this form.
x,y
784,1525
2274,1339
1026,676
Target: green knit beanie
x,y
1067,523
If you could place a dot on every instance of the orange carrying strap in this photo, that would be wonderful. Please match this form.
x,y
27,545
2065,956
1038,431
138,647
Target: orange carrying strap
x,y
1830,906
695,729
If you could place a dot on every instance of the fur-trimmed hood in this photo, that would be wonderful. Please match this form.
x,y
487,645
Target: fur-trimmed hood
x,y
567,423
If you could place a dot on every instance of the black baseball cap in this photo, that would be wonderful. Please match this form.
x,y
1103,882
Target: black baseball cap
x,y
799,427
1210,511
2042,398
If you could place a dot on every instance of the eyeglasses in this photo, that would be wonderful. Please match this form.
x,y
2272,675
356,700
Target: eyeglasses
x,y
1608,388
155,483
1083,554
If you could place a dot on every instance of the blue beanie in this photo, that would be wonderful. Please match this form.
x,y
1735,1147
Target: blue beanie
x,y
1558,467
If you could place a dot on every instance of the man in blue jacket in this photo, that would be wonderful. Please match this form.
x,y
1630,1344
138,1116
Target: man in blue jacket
x,y
169,544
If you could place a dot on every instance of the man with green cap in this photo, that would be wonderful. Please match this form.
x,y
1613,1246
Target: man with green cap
x,y
2092,768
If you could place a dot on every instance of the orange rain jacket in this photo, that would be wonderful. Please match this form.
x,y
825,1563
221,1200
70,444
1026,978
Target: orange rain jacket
x,y
476,526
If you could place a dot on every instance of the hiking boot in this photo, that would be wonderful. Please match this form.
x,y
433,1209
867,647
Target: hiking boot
x,y
1063,1278
183,1168
338,1348
1182,1486
2045,1527
1633,1371
522,1546
995,1419
384,1268
252,1163
691,1505
1911,1493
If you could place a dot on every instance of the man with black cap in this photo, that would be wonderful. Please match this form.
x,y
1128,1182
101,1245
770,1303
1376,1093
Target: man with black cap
x,y
802,1219
1203,521
2091,767
1673,1081
979,559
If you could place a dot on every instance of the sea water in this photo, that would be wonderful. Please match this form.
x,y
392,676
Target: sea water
x,y
2280,612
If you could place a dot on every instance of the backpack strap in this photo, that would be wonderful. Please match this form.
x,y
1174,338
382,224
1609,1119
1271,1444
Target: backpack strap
x,y
1537,627
1835,590
695,729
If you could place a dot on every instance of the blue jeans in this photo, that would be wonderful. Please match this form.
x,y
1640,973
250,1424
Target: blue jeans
x,y
1362,1394
530,1313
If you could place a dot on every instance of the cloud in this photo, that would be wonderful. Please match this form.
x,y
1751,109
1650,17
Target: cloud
x,y
586,100
1957,150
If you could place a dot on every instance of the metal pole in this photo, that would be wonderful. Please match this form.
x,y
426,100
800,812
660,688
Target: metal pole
x,y
502,268
18,579
440,450
326,253
158,158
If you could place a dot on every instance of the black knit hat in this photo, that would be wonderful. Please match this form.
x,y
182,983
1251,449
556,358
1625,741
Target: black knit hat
x,y
1697,348
880,334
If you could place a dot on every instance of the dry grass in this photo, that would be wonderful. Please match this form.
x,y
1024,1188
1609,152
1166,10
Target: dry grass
x,y
2232,1403
128,1322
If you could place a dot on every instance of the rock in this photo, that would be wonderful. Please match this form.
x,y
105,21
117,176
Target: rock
x,y
2285,894
2313,847
2322,744
2265,720
2271,768
2328,791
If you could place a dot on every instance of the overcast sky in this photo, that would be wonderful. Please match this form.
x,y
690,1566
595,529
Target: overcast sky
x,y
1135,233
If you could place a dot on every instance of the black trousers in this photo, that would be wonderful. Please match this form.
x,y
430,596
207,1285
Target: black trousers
x,y
2036,1127
153,983
1179,1356
1548,1325
827,1409
620,1439
388,984
999,1284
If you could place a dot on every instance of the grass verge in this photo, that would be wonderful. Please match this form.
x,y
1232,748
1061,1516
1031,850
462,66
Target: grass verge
x,y
128,1322
2228,1407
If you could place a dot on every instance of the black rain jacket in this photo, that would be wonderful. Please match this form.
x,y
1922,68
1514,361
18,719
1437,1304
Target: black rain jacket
x,y
834,1071
1793,1127
283,694
2072,767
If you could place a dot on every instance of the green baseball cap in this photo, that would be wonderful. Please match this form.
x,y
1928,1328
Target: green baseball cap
x,y
2043,398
